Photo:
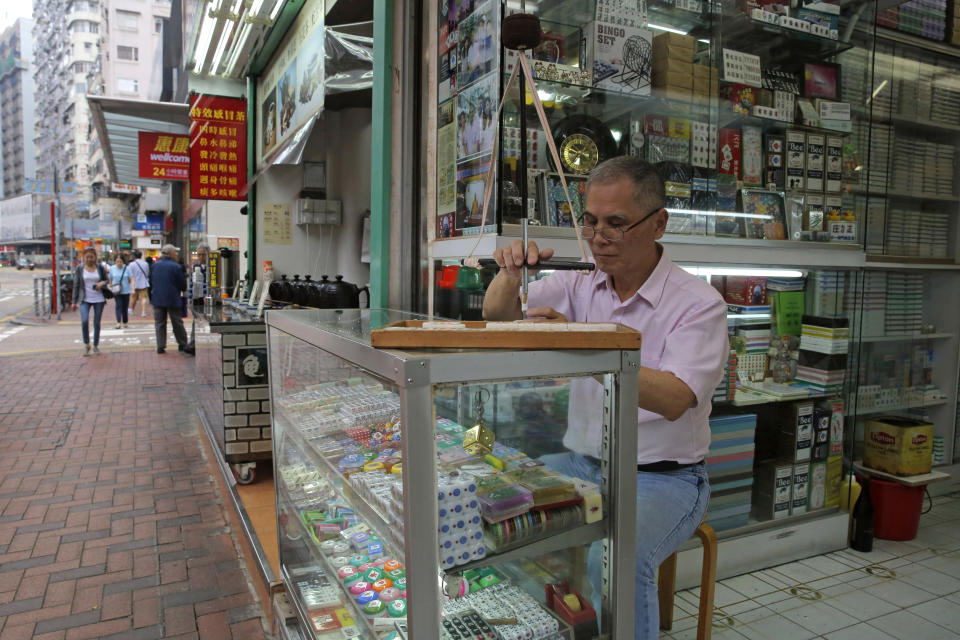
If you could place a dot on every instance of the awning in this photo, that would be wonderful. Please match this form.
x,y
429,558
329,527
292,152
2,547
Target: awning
x,y
119,120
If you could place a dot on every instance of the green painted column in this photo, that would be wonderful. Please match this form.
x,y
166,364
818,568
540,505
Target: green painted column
x,y
252,271
380,154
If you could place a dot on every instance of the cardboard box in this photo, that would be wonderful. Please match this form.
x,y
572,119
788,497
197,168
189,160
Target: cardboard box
x,y
752,156
801,430
605,43
704,72
673,79
674,45
815,161
796,160
706,86
772,490
728,152
801,486
834,482
898,445
836,429
745,290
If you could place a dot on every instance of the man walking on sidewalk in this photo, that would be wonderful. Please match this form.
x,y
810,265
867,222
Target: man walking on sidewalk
x,y
168,281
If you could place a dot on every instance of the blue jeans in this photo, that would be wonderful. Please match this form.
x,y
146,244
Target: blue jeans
x,y
670,507
85,319
121,301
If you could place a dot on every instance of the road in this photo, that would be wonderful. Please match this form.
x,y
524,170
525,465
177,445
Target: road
x,y
16,291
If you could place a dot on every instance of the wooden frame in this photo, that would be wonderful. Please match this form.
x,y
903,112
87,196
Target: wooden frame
x,y
476,336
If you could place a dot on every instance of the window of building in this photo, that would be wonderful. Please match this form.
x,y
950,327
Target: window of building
x,y
157,25
127,53
128,20
88,46
80,88
127,85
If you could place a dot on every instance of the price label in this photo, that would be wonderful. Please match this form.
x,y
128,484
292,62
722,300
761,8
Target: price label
x,y
843,231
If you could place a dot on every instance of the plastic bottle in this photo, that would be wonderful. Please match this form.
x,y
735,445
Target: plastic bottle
x,y
849,492
861,533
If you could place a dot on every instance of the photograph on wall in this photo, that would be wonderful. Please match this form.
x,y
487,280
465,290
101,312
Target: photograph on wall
x,y
559,213
447,25
476,125
310,75
268,119
471,181
446,158
445,228
477,49
463,8
287,99
447,75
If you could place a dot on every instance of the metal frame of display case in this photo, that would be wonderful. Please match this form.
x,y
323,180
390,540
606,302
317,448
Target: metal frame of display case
x,y
415,373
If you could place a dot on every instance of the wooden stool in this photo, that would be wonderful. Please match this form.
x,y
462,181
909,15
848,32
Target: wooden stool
x,y
667,581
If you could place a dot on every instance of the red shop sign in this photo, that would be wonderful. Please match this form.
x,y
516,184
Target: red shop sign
x,y
163,156
218,148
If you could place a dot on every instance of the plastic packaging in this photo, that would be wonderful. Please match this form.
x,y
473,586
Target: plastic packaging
x,y
505,502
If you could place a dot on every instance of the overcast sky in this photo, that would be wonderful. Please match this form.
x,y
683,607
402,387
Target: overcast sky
x,y
10,11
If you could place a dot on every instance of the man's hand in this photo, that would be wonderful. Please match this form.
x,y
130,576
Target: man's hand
x,y
549,314
511,258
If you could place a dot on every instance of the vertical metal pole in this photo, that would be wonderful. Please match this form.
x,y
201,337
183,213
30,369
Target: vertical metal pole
x,y
420,507
55,232
619,478
380,164
53,248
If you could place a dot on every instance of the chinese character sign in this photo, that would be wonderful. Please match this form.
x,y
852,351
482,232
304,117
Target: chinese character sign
x,y
163,156
218,148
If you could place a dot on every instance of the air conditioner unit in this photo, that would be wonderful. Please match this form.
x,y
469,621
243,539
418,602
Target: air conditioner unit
x,y
314,211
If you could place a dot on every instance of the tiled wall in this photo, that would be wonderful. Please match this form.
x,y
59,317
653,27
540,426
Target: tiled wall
x,y
246,406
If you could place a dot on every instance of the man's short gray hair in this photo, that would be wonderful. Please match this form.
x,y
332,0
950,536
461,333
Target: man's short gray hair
x,y
648,184
203,246
169,250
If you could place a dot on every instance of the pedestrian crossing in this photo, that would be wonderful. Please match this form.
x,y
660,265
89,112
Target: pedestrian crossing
x,y
11,331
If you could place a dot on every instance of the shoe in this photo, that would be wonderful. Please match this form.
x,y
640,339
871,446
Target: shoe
x,y
117,326
161,350
86,350
125,325
189,351
96,350
143,314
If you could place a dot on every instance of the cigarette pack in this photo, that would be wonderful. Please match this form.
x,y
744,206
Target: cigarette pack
x,y
796,160
834,164
815,162
774,163
818,485
772,490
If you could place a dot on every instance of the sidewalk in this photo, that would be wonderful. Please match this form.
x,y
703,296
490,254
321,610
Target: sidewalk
x,y
110,522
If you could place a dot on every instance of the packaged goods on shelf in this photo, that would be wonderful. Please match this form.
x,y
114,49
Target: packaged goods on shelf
x,y
801,485
825,293
622,56
772,490
730,469
898,445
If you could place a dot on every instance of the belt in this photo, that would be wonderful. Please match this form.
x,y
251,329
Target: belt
x,y
654,467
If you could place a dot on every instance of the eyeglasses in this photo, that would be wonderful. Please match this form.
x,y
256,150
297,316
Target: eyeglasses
x,y
613,234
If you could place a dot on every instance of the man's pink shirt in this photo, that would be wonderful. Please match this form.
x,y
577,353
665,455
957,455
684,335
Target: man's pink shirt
x,y
684,327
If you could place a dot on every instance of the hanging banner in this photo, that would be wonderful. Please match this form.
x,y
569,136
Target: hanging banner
x,y
163,156
218,148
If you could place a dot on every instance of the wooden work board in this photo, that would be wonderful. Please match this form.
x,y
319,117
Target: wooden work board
x,y
411,334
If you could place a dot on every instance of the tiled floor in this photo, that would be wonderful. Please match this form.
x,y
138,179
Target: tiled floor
x,y
899,591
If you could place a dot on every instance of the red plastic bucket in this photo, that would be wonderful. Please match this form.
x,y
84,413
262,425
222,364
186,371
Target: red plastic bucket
x,y
896,509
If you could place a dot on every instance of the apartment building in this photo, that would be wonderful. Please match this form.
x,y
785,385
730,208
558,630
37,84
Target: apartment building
x,y
16,108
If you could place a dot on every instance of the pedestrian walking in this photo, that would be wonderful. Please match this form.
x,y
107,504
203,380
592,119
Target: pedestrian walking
x,y
121,284
89,281
168,284
141,284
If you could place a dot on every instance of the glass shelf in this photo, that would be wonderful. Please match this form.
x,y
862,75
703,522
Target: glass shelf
x,y
777,44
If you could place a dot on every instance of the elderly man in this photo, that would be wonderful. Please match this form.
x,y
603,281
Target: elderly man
x,y
168,282
683,321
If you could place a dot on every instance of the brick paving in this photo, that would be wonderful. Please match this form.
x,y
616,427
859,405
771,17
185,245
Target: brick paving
x,y
111,525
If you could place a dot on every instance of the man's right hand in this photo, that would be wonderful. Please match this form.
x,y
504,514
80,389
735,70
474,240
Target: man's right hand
x,y
511,258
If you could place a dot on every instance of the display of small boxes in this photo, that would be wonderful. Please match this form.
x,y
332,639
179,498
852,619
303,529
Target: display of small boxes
x,y
815,161
772,490
796,160
613,69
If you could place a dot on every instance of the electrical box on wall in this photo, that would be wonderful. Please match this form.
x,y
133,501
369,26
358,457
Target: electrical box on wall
x,y
314,211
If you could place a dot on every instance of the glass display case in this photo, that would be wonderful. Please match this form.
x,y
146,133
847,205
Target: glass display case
x,y
416,496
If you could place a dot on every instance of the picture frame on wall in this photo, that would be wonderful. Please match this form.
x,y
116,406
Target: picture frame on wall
x,y
768,206
821,80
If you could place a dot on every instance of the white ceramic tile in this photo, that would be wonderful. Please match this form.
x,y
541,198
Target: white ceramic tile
x,y
747,612
749,585
825,565
775,627
905,625
771,598
829,581
847,558
861,631
948,564
718,633
776,580
899,593
930,580
820,617
954,597
859,604
922,554
942,612
877,556
682,620
724,596
797,572
897,548
938,539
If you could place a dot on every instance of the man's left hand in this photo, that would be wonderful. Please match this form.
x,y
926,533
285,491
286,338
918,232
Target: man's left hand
x,y
549,314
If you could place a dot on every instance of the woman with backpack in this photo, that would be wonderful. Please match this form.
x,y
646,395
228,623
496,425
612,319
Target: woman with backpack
x,y
121,284
89,282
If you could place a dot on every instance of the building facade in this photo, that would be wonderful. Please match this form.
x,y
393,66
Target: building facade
x,y
16,109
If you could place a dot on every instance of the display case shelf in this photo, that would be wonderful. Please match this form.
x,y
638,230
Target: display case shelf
x,y
908,337
743,33
902,195
901,407
737,120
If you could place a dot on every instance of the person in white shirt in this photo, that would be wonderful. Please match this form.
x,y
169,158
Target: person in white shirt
x,y
141,284
89,280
